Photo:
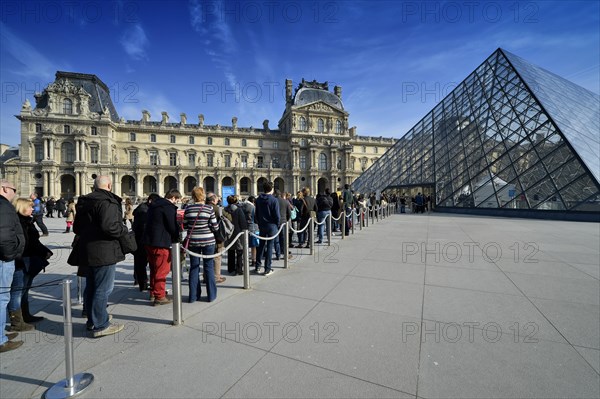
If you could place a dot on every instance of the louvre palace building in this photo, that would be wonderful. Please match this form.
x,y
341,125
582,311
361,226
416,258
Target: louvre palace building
x,y
512,139
74,133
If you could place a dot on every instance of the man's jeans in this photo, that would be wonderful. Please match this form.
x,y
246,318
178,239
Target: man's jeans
x,y
99,284
268,230
322,215
7,270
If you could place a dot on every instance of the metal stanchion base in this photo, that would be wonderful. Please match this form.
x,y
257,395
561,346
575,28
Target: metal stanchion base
x,y
60,391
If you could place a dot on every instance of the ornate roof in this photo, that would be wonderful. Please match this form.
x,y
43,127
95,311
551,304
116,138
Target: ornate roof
x,y
310,92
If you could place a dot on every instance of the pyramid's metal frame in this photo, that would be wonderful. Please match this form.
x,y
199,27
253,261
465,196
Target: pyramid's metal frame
x,y
512,139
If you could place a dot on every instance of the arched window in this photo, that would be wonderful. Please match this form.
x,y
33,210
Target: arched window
x,y
320,126
191,140
303,126
67,106
338,127
244,143
323,161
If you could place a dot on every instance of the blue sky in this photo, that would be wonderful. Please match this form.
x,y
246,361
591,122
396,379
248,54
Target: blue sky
x,y
394,60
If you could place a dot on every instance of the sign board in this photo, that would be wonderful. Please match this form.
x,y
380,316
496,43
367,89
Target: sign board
x,y
227,191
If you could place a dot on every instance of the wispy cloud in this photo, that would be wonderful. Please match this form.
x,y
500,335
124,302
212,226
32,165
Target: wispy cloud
x,y
219,41
30,62
135,42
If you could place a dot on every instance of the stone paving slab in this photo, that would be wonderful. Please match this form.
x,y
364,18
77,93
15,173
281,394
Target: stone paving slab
x,y
391,321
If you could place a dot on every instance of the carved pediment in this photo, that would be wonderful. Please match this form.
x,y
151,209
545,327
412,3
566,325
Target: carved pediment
x,y
320,106
64,86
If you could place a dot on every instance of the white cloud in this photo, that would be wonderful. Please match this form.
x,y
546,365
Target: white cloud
x,y
135,42
218,35
31,62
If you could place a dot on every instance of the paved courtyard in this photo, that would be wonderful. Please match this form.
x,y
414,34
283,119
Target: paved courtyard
x,y
415,306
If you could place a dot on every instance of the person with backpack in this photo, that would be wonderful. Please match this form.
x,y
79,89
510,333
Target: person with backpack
x,y
200,223
234,213
267,217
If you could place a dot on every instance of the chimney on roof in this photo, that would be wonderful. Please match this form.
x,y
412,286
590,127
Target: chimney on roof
x,y
288,90
337,90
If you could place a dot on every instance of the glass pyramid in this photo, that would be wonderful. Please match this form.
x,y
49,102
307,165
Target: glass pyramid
x,y
510,136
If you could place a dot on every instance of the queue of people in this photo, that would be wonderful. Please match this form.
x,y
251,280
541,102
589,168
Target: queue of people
x,y
100,226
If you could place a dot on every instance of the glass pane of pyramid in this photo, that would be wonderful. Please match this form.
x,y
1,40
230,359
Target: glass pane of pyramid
x,y
511,136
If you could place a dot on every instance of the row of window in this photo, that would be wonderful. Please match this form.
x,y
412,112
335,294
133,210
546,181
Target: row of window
x,y
303,125
209,140
191,139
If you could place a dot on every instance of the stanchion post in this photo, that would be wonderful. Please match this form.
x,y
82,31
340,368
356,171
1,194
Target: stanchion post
x,y
311,236
79,300
286,245
360,219
352,213
246,261
343,223
73,384
373,215
176,270
329,230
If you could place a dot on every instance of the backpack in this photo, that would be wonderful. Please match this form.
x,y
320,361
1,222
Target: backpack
x,y
225,230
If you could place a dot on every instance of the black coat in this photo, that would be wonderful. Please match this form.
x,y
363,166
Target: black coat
x,y
162,228
33,247
238,218
98,226
12,239
324,202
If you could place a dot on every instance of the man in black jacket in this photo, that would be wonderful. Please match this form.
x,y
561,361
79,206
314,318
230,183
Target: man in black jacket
x,y
285,214
267,217
99,225
12,243
308,211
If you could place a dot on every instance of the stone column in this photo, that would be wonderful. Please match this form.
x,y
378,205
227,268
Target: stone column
x,y
77,184
82,151
51,148
180,187
116,184
139,185
218,183
45,149
77,155
159,185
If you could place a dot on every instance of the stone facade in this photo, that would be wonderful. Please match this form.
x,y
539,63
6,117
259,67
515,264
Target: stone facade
x,y
74,133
